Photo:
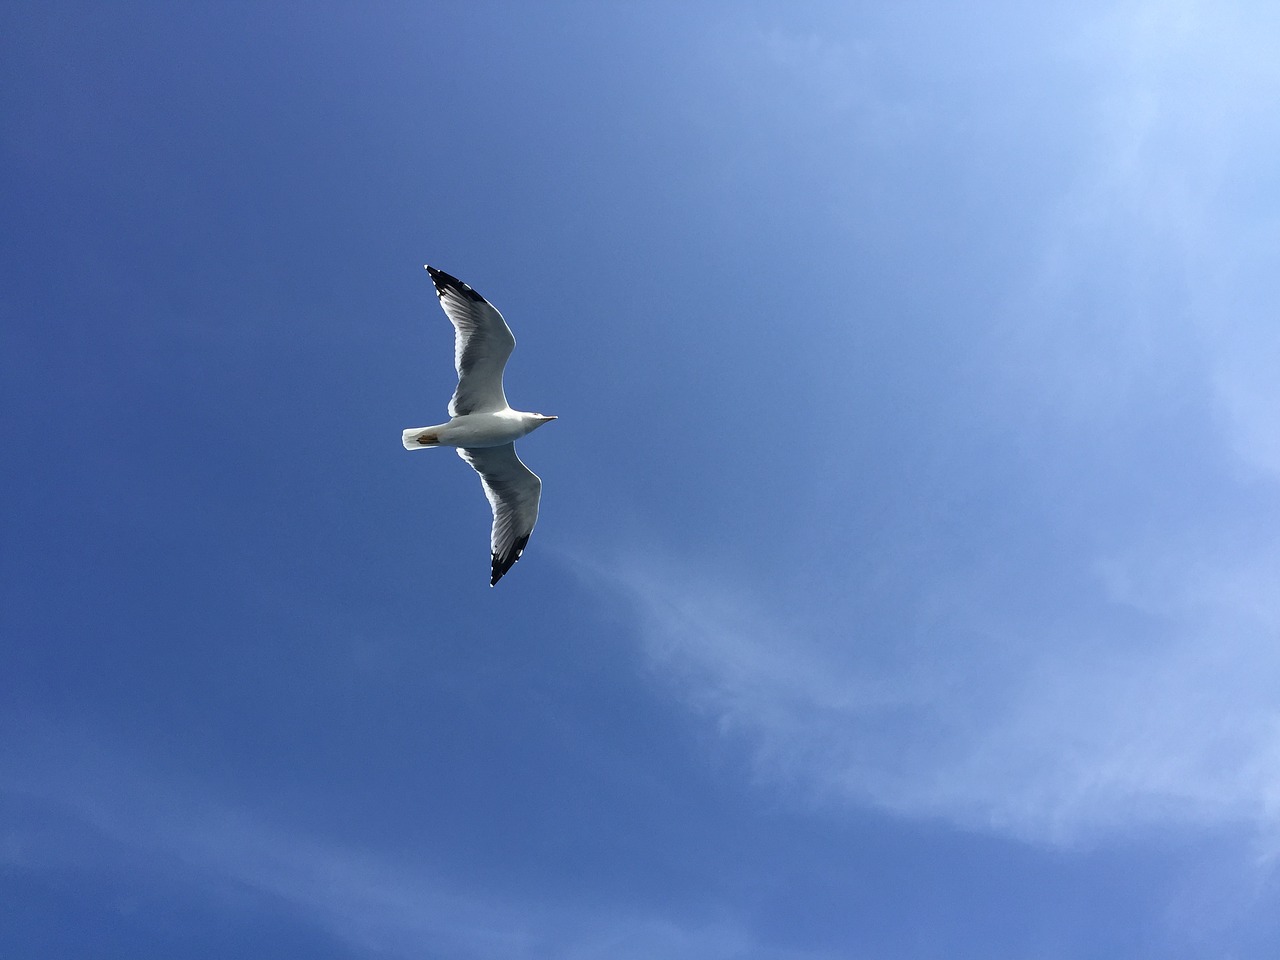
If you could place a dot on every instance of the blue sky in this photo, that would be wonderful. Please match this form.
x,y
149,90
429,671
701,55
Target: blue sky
x,y
905,585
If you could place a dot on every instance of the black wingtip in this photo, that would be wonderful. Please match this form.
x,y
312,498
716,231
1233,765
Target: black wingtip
x,y
444,281
501,564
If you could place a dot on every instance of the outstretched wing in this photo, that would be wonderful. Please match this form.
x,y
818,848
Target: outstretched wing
x,y
482,343
514,492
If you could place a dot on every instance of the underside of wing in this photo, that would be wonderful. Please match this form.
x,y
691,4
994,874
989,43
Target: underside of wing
x,y
482,344
514,492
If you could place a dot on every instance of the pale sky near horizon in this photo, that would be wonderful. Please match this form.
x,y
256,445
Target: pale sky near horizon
x,y
906,579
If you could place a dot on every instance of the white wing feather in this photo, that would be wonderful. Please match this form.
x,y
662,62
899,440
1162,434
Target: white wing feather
x,y
514,492
482,344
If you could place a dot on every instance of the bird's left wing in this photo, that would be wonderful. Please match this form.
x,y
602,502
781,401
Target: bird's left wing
x,y
482,343
514,492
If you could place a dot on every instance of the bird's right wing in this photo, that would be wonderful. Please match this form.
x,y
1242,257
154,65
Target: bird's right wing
x,y
514,492
482,343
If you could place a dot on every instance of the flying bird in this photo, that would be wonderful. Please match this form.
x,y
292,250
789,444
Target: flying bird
x,y
481,425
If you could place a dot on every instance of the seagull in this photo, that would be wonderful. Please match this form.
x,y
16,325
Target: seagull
x,y
481,425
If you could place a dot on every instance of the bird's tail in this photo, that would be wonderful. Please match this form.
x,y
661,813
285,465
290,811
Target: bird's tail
x,y
420,438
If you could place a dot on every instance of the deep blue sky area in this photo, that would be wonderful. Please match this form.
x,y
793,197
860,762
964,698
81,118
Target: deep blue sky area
x,y
905,586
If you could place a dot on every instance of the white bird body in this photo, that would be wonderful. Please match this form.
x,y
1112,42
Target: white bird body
x,y
476,430
482,427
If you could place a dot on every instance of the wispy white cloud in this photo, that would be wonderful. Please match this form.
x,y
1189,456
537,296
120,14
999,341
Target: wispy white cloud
x,y
1058,731
381,903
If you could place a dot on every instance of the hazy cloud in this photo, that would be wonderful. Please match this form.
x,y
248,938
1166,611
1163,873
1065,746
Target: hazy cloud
x,y
1146,691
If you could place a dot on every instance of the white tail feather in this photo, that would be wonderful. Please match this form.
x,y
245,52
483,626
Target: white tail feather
x,y
420,438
